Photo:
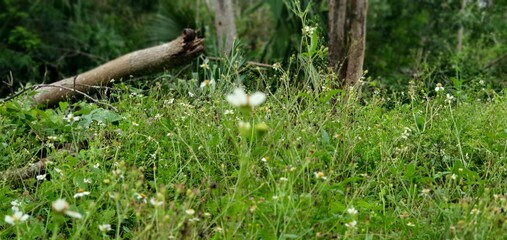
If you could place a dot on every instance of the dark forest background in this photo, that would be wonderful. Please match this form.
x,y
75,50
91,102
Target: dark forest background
x,y
44,41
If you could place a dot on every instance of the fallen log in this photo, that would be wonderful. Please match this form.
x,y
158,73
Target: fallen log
x,y
138,63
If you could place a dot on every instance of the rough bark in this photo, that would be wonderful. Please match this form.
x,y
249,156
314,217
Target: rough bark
x,y
337,36
347,39
138,63
357,41
224,23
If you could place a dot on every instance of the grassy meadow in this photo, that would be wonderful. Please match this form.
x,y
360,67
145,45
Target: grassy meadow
x,y
179,161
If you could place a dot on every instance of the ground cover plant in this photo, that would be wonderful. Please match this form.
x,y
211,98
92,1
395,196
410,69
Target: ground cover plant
x,y
212,162
223,149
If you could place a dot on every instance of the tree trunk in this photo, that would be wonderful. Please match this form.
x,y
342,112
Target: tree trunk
x,y
347,39
146,61
337,36
357,43
224,23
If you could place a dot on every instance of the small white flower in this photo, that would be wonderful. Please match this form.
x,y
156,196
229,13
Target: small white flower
x,y
352,224
155,202
449,98
454,176
41,177
15,203
105,227
87,181
481,82
284,179
307,30
240,99
116,172
170,101
81,194
277,66
190,211
320,175
264,159
439,87
73,214
227,112
410,224
96,165
191,94
71,118
62,206
208,83
17,217
140,196
352,211
205,65
406,133
425,192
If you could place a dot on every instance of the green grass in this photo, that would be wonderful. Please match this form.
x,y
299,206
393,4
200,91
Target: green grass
x,y
425,168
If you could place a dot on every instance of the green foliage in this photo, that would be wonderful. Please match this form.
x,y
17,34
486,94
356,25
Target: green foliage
x,y
173,17
173,164
418,40
49,40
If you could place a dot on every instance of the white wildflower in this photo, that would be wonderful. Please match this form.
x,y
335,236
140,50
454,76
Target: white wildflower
x,y
155,202
190,211
81,193
240,99
352,211
439,88
208,83
62,206
71,118
320,175
15,218
41,177
352,224
105,227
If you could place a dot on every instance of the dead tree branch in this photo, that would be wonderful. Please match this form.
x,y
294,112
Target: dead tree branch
x,y
141,62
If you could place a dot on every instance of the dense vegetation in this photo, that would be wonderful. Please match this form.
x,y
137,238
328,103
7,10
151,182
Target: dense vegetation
x,y
419,154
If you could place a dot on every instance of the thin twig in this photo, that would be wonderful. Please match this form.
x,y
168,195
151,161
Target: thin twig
x,y
495,61
256,64
8,98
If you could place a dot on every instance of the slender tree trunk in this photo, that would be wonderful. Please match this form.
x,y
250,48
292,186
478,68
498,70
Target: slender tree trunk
x,y
347,39
224,23
357,41
337,36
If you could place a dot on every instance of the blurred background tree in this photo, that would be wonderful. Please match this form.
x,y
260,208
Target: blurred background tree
x,y
44,41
